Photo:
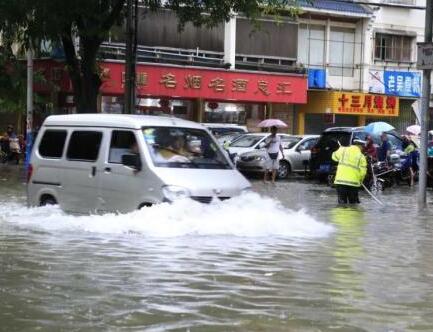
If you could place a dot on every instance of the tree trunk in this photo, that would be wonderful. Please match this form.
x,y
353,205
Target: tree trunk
x,y
86,99
83,74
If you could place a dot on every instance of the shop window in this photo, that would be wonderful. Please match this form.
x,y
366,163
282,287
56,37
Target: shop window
x,y
392,48
84,145
225,113
311,49
342,52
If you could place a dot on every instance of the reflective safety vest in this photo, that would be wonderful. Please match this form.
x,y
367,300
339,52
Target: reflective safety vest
x,y
410,148
352,166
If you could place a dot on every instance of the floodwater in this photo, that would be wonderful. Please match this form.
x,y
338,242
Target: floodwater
x,y
284,258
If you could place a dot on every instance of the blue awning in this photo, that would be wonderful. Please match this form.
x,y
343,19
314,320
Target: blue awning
x,y
335,6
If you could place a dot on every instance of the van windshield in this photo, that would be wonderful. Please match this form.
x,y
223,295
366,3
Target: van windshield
x,y
183,148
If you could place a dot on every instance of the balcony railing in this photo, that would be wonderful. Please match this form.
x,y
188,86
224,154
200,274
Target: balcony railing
x,y
116,51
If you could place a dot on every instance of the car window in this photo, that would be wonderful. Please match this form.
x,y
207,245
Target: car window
x,y
308,144
361,135
334,139
246,141
52,143
84,146
177,147
289,142
122,142
226,131
396,143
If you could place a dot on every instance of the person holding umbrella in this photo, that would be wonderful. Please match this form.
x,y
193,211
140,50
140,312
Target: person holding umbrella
x,y
273,147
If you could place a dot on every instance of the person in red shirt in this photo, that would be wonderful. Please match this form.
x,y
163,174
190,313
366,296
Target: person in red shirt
x,y
370,149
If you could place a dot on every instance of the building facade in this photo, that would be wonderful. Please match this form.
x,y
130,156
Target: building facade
x,y
362,63
338,64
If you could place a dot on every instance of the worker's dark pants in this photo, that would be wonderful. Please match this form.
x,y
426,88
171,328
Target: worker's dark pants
x,y
347,194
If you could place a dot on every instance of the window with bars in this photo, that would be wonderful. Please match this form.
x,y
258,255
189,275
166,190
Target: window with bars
x,y
393,48
342,52
311,45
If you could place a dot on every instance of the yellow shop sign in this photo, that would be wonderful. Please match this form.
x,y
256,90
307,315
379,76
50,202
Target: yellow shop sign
x,y
352,103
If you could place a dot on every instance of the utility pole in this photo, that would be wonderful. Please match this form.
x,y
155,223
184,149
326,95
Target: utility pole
x,y
130,55
29,120
424,117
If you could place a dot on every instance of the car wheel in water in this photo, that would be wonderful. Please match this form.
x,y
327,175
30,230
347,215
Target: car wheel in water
x,y
284,170
47,200
143,205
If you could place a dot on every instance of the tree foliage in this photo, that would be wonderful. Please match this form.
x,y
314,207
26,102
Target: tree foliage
x,y
64,22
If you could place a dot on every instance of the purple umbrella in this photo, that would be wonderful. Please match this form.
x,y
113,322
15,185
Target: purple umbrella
x,y
272,123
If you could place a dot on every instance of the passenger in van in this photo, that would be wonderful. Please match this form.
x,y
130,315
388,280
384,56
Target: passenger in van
x,y
171,146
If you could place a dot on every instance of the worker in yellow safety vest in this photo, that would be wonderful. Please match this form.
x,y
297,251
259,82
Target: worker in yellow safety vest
x,y
351,170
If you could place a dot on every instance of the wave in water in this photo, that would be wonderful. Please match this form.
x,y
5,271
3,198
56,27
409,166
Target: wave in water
x,y
249,215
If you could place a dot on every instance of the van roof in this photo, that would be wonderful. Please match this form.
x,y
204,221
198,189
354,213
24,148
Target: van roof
x,y
117,120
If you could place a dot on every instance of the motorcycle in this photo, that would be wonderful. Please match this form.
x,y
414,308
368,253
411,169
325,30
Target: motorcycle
x,y
402,173
10,150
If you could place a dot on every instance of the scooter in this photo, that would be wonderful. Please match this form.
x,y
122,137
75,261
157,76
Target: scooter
x,y
402,174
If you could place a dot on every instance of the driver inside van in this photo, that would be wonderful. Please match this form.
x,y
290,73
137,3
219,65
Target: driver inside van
x,y
170,145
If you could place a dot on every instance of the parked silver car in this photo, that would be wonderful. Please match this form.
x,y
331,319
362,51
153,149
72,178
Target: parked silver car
x,y
297,151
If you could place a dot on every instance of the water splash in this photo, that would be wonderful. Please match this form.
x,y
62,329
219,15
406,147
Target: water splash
x,y
249,215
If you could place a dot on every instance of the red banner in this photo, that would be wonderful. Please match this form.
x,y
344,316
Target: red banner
x,y
186,82
182,82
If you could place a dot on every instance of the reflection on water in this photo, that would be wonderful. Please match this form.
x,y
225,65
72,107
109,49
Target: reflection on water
x,y
251,264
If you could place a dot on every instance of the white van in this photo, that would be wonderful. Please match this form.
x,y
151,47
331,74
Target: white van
x,y
119,163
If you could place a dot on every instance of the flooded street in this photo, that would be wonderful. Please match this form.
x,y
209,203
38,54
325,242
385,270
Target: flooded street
x,y
284,258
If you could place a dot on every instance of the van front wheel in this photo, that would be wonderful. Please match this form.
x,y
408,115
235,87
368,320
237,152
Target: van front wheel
x,y
47,200
142,205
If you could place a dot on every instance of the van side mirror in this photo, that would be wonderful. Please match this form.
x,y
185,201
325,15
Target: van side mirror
x,y
132,160
261,145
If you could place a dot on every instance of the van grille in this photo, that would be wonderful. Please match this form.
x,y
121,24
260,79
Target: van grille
x,y
207,199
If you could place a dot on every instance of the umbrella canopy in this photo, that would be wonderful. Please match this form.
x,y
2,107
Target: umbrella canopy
x,y
272,123
414,130
378,127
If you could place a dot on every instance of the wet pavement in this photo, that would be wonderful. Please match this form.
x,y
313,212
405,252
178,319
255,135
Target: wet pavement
x,y
285,258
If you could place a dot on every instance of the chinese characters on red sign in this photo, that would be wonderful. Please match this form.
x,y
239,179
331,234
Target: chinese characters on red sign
x,y
366,104
182,82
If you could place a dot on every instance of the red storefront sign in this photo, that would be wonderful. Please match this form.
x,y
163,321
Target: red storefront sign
x,y
186,82
183,82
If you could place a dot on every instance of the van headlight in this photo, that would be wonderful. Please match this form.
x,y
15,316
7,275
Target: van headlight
x,y
174,193
259,158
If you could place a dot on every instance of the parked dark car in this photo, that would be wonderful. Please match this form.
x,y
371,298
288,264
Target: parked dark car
x,y
321,163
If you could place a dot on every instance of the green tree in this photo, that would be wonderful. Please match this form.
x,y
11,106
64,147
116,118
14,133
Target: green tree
x,y
13,74
64,22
